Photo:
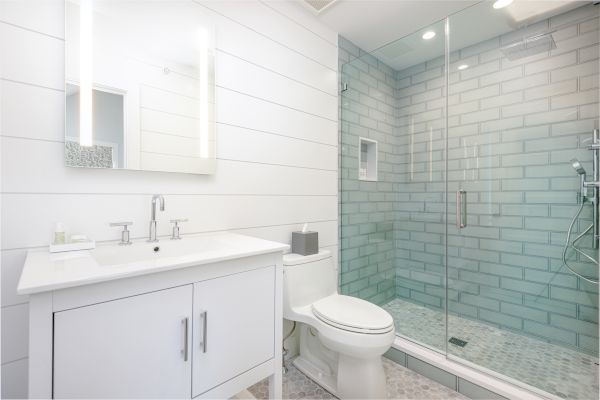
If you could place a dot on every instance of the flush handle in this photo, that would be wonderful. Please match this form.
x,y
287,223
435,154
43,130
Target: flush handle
x,y
461,209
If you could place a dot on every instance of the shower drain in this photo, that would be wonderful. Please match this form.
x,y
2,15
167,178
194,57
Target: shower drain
x,y
458,342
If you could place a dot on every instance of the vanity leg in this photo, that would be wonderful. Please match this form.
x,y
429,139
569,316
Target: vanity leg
x,y
276,380
40,346
276,385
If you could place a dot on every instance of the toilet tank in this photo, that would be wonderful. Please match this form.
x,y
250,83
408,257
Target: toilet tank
x,y
307,279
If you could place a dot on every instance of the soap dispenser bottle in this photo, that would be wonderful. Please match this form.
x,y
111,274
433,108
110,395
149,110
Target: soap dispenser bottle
x,y
59,233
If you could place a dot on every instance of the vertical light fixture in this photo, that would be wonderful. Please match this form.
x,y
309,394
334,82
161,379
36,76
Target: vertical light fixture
x,y
85,72
204,49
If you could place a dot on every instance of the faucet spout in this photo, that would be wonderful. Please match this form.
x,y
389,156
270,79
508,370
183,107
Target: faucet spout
x,y
161,201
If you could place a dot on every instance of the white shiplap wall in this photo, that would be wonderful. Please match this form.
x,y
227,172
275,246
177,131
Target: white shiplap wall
x,y
277,145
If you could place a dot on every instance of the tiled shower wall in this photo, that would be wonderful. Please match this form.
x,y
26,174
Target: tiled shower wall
x,y
513,127
366,208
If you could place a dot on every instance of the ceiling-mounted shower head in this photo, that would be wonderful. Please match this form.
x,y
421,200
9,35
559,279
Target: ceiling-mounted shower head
x,y
540,43
577,166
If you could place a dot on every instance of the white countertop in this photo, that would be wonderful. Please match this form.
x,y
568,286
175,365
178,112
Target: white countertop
x,y
45,271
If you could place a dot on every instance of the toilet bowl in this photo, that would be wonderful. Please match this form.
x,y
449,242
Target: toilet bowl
x,y
342,338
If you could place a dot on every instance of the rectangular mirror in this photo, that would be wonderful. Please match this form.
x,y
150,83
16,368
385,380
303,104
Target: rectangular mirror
x,y
139,86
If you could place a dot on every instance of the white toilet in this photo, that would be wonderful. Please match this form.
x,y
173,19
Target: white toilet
x,y
342,338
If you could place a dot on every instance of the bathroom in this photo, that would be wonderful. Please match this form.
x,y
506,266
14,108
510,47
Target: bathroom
x,y
347,198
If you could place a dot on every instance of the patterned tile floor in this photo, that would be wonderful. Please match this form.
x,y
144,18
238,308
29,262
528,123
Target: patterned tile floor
x,y
402,384
557,370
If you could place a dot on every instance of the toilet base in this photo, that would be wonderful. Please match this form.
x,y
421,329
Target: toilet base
x,y
355,379
361,378
343,376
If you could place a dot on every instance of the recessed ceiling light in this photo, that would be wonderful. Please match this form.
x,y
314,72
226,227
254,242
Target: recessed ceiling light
x,y
429,35
463,66
498,4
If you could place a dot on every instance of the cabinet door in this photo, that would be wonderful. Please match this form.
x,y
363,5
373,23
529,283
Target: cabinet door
x,y
234,323
128,348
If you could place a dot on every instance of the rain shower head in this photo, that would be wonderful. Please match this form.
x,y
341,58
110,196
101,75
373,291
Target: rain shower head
x,y
529,46
577,166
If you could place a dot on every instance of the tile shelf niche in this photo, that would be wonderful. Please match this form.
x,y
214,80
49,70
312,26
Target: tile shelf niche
x,y
367,159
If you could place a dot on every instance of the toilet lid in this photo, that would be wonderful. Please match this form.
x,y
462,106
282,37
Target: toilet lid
x,y
353,314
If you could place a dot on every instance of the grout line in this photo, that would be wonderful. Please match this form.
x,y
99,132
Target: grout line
x,y
263,35
279,104
39,247
31,30
165,194
278,73
32,84
217,158
298,23
14,361
15,305
280,165
277,134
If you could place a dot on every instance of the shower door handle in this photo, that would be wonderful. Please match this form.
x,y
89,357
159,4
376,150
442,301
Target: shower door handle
x,y
461,209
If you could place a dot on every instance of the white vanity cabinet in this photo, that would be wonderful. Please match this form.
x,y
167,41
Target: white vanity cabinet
x,y
195,326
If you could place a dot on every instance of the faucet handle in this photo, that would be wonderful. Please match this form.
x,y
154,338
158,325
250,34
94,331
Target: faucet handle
x,y
175,222
125,233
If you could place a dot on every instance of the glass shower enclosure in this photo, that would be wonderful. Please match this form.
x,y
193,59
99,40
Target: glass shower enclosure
x,y
468,206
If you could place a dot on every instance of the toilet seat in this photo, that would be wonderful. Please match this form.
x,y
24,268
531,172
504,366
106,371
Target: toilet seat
x,y
352,314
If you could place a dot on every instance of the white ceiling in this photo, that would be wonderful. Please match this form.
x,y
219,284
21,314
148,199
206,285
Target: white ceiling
x,y
400,24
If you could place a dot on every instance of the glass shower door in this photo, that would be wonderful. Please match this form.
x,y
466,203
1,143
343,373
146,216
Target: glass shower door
x,y
523,104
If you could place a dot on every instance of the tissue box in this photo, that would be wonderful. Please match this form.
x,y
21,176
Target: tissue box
x,y
305,243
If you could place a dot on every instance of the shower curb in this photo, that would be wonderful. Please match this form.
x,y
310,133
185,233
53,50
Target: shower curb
x,y
459,376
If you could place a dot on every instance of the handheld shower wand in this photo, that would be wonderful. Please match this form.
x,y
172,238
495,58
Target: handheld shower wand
x,y
594,199
582,175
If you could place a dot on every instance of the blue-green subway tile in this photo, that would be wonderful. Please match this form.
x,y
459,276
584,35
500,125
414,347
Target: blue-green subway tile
x,y
554,306
589,314
524,286
524,312
548,332
501,319
574,296
480,301
483,279
572,324
551,278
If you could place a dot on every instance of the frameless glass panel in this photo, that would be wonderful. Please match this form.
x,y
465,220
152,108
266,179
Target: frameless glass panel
x,y
393,181
367,177
523,105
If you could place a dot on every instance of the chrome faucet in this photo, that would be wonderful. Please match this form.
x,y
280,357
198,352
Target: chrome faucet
x,y
152,237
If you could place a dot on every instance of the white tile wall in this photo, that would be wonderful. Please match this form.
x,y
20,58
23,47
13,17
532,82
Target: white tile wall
x,y
277,145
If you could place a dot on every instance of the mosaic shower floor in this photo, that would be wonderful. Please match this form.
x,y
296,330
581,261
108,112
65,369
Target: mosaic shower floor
x,y
402,383
563,372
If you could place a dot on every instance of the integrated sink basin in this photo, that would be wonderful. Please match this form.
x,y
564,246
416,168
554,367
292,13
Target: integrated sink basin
x,y
144,252
44,271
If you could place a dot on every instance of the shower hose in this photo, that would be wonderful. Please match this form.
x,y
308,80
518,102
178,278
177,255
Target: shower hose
x,y
569,245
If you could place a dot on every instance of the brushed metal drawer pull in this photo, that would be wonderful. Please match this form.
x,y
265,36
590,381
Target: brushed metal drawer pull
x,y
203,343
184,350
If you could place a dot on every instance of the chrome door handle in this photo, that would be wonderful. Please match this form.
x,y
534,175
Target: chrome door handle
x,y
184,350
204,317
461,209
